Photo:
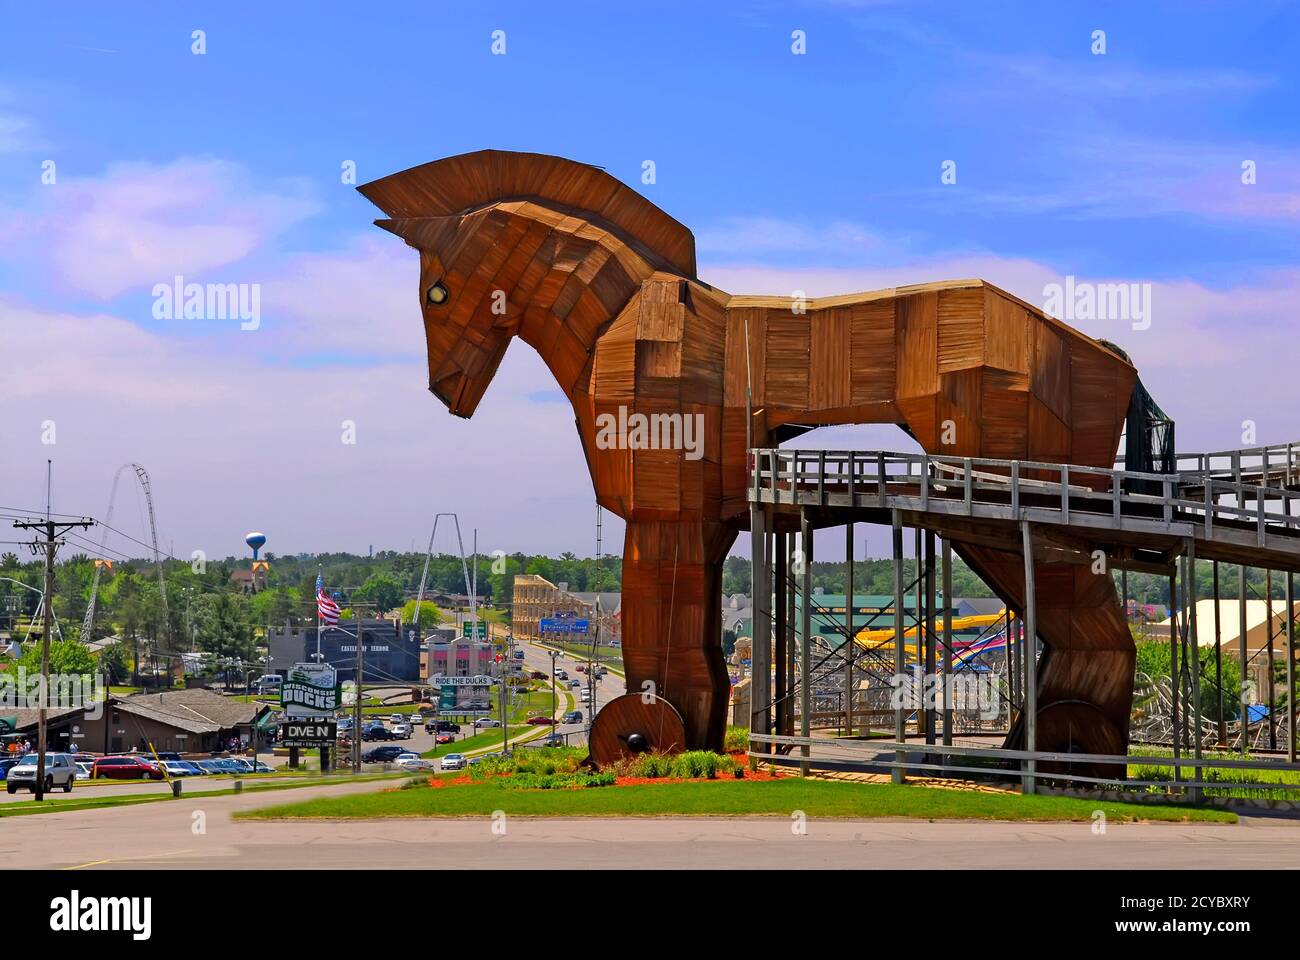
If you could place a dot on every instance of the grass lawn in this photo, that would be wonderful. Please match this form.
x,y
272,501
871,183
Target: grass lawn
x,y
21,808
726,798
1227,776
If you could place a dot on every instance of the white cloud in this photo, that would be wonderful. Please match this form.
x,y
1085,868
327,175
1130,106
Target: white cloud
x,y
233,443
141,224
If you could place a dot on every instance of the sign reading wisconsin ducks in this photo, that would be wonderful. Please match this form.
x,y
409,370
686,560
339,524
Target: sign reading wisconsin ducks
x,y
310,690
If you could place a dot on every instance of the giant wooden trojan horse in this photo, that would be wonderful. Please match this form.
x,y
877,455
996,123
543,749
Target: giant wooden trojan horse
x,y
602,284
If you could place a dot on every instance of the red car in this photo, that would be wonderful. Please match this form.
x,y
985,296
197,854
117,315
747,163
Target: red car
x,y
125,768
444,738
541,721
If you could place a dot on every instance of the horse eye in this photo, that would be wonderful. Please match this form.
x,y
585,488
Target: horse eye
x,y
437,294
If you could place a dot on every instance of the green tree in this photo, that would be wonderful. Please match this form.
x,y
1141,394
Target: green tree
x,y
382,590
67,656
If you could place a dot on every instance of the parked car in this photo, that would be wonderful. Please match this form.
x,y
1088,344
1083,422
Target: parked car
x,y
227,765
7,764
179,768
125,767
385,754
261,767
486,722
208,767
539,720
414,763
453,761
401,731
573,716
83,771
441,726
60,771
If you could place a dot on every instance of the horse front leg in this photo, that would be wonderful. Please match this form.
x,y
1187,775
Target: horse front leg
x,y
672,642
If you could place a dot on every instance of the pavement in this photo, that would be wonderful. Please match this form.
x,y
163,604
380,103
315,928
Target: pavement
x,y
200,834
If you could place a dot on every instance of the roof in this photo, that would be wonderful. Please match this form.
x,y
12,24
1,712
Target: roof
x,y
196,710
1230,623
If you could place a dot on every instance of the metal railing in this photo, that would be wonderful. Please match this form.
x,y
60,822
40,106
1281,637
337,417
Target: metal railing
x,y
1278,462
1053,493
1011,764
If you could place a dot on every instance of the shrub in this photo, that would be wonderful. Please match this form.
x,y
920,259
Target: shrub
x,y
736,739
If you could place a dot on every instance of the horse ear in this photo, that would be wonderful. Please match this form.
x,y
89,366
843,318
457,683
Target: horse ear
x,y
423,233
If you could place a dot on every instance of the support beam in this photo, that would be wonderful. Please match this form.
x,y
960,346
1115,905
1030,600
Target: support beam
x,y
781,656
1189,588
1031,660
850,648
1268,667
760,692
1175,673
900,690
931,715
805,638
1218,660
1290,668
1242,653
947,635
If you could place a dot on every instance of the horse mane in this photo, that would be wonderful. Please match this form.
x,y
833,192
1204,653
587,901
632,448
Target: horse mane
x,y
456,185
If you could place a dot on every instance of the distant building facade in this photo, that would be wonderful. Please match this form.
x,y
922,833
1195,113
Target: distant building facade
x,y
391,649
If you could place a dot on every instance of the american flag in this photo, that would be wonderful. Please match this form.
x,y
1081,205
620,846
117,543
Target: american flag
x,y
326,607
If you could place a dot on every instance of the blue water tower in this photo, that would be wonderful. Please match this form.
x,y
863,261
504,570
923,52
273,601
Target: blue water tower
x,y
256,541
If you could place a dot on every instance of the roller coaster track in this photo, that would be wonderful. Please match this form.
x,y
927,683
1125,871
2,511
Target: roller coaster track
x,y
142,476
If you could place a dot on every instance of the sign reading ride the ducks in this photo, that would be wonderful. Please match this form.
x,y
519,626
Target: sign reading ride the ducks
x,y
310,690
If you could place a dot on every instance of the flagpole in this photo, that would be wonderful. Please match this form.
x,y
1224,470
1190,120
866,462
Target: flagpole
x,y
318,617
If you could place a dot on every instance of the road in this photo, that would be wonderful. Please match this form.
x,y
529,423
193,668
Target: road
x,y
167,835
609,686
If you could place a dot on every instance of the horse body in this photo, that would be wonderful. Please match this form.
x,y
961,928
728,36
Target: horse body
x,y
602,284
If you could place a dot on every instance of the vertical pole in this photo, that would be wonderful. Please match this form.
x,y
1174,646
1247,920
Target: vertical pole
x,y
931,714
1031,660
1268,668
805,640
790,645
1175,674
1241,649
947,637
1189,588
1218,658
760,698
918,619
48,611
782,550
359,666
900,677
1290,667
850,648
1123,589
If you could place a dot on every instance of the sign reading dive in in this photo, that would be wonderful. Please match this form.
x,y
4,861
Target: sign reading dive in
x,y
311,690
307,733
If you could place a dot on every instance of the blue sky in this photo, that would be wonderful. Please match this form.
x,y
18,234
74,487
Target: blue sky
x,y
818,171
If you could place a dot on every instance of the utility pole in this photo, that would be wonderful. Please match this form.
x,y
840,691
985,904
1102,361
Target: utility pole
x,y
52,532
356,703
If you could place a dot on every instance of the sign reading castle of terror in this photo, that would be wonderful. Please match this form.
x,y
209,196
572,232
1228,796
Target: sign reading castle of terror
x,y
311,690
